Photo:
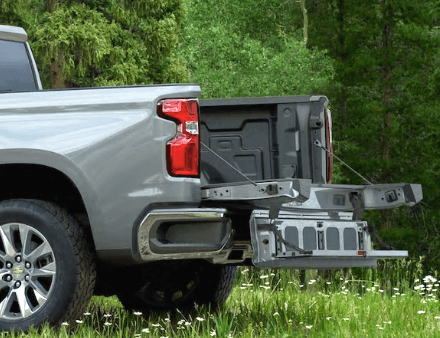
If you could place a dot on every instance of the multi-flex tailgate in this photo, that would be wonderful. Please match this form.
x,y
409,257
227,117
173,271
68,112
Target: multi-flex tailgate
x,y
313,241
266,194
357,198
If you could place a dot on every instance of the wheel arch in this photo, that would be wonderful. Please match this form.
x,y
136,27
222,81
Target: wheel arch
x,y
35,174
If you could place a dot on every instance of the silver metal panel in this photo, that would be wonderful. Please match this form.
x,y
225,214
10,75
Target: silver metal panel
x,y
109,142
265,194
334,243
378,196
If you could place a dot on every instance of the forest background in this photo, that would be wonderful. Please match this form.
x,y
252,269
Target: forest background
x,y
377,61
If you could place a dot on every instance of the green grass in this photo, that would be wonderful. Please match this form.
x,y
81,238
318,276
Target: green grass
x,y
379,302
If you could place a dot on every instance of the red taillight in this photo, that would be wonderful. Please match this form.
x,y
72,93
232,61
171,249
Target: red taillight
x,y
328,116
183,151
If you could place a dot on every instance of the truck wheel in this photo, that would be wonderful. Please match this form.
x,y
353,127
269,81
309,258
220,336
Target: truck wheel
x,y
179,285
47,271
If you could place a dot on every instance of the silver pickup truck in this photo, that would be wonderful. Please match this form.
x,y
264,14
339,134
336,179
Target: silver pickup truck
x,y
149,194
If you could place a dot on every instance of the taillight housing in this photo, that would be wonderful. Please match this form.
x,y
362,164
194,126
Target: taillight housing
x,y
182,151
329,145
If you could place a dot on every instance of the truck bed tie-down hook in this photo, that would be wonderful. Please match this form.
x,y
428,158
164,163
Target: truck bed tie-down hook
x,y
319,145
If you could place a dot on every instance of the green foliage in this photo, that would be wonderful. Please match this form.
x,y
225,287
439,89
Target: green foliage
x,y
102,42
243,52
394,300
78,36
384,101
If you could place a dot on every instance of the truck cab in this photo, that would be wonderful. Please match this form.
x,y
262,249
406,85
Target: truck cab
x,y
18,71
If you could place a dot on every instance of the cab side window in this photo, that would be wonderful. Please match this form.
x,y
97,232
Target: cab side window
x,y
15,69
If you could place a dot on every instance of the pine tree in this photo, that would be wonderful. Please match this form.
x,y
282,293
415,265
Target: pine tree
x,y
101,42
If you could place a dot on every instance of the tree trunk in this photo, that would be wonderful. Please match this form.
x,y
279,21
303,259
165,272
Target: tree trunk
x,y
387,91
51,5
306,21
56,76
342,54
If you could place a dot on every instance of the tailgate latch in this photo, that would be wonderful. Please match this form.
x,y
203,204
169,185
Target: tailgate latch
x,y
272,189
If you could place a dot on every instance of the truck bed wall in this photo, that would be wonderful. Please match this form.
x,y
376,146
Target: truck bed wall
x,y
265,138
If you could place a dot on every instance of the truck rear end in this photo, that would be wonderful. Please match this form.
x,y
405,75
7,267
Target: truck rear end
x,y
256,141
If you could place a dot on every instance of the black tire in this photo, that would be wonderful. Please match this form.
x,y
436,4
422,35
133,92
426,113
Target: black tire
x,y
53,270
179,285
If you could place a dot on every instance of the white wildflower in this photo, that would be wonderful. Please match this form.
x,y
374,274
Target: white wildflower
x,y
429,279
265,276
200,319
213,333
308,327
137,313
420,312
79,321
345,319
64,323
146,330
107,315
276,314
108,324
87,313
328,318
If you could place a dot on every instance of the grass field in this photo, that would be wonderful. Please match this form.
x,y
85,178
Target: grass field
x,y
391,301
